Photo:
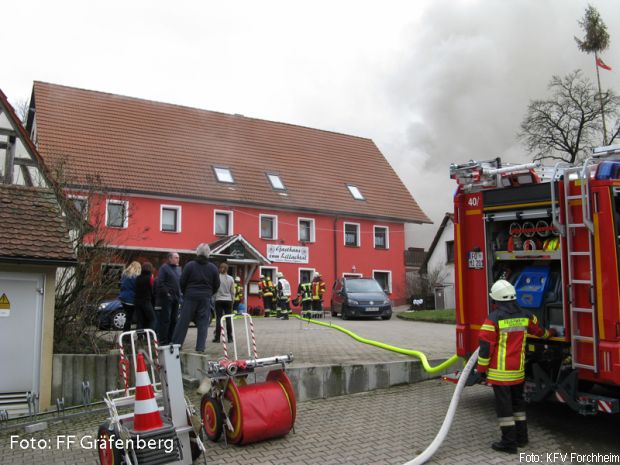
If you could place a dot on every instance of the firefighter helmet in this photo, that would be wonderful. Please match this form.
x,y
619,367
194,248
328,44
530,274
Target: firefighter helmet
x,y
237,279
280,274
502,290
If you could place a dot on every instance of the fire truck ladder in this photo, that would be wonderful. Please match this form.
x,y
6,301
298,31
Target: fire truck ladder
x,y
578,226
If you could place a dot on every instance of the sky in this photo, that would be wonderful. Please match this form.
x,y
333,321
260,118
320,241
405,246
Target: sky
x,y
430,82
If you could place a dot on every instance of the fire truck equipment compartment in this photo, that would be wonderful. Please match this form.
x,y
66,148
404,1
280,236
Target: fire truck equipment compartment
x,y
531,286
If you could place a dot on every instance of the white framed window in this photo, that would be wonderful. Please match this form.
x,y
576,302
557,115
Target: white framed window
x,y
382,237
352,234
384,278
222,222
305,275
305,230
80,203
116,213
268,226
276,182
270,272
355,192
223,174
170,218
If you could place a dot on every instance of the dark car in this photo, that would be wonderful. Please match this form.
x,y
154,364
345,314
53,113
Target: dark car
x,y
360,297
111,315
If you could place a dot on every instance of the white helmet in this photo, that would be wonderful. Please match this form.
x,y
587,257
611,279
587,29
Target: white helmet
x,y
280,274
237,279
502,290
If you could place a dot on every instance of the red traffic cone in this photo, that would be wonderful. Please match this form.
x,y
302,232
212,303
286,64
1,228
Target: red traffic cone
x,y
146,414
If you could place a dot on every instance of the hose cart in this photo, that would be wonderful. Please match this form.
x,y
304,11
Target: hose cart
x,y
249,412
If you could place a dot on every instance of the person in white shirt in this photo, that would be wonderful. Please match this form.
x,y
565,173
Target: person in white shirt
x,y
284,295
223,303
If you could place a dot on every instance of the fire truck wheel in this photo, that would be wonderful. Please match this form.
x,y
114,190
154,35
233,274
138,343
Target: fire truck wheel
x,y
212,417
108,453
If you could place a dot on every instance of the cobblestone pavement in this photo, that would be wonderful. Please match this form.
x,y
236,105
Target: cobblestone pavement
x,y
380,427
314,345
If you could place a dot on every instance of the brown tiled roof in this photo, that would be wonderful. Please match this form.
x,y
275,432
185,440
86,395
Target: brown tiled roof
x,y
31,225
144,146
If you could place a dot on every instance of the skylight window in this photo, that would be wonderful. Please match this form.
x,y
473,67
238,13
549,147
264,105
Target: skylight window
x,y
355,192
224,175
276,182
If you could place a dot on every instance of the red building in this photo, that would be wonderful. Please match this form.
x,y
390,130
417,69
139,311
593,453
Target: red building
x,y
267,196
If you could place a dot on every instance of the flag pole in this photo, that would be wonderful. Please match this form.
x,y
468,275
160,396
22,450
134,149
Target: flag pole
x,y
600,97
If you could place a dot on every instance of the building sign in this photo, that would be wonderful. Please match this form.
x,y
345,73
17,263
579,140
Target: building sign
x,y
287,253
5,305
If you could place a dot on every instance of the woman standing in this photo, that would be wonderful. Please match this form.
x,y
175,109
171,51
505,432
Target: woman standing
x,y
223,303
144,297
127,295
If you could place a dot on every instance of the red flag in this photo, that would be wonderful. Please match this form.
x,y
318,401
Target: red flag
x,y
602,64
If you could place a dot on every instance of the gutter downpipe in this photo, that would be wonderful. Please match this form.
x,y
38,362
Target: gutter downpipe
x,y
335,248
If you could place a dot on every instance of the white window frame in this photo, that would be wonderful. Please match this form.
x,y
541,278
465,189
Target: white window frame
x,y
229,172
344,234
389,273
125,203
355,192
299,270
387,236
275,226
312,229
274,280
161,217
270,176
86,206
230,221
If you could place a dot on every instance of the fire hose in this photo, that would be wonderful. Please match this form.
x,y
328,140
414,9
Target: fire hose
x,y
447,422
464,376
413,353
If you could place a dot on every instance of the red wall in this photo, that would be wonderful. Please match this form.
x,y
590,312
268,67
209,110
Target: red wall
x,y
143,231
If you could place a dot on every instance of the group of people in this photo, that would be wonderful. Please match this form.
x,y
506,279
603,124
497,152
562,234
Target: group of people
x,y
201,290
155,302
277,298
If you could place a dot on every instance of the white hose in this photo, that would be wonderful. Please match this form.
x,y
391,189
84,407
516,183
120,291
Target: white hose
x,y
447,422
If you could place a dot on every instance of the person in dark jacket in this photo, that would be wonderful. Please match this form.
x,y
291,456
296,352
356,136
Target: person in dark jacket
x,y
144,297
168,294
199,281
127,295
501,360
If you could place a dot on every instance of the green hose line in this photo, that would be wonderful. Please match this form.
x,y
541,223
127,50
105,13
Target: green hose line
x,y
381,345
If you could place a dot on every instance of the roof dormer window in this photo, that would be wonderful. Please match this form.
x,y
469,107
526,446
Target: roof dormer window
x,y
276,182
224,175
355,192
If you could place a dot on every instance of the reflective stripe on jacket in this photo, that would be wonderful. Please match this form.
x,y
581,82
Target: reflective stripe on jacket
x,y
265,288
318,289
305,291
502,343
238,292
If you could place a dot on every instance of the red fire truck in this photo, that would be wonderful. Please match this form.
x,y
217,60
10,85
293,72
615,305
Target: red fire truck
x,y
556,238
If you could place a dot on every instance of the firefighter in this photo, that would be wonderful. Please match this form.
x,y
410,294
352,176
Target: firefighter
x,y
304,293
266,290
502,359
284,295
318,289
238,294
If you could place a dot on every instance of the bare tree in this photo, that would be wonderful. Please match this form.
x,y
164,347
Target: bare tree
x,y
22,107
80,289
564,126
595,41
